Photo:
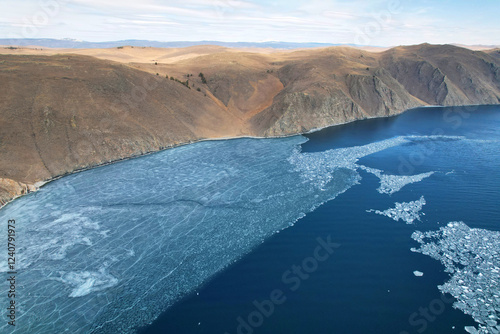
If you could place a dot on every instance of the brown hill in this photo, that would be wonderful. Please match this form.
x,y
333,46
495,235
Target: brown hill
x,y
63,112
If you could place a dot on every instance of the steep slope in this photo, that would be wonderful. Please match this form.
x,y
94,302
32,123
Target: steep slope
x,y
332,86
337,85
445,75
63,113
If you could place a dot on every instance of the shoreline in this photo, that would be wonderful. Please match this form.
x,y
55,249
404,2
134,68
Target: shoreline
x,y
40,184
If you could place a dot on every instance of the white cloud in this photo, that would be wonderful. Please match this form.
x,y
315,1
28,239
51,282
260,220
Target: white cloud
x,y
333,21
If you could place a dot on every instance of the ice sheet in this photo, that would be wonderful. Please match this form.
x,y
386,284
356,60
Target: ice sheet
x,y
109,249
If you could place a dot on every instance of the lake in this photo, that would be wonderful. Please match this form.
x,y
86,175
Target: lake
x,y
322,233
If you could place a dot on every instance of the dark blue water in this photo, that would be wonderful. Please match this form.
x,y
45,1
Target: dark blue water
x,y
367,284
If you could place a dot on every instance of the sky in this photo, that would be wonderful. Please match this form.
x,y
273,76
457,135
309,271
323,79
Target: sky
x,y
365,22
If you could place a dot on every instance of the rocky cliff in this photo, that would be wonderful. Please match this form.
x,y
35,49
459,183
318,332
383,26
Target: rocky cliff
x,y
340,85
67,112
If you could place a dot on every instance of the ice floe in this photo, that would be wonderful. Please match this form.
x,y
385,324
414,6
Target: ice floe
x,y
317,167
472,257
389,184
162,225
418,273
406,211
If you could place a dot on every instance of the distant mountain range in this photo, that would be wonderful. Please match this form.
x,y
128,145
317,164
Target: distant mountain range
x,y
78,44
72,43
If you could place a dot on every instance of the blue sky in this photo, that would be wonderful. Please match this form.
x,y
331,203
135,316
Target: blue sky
x,y
373,22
